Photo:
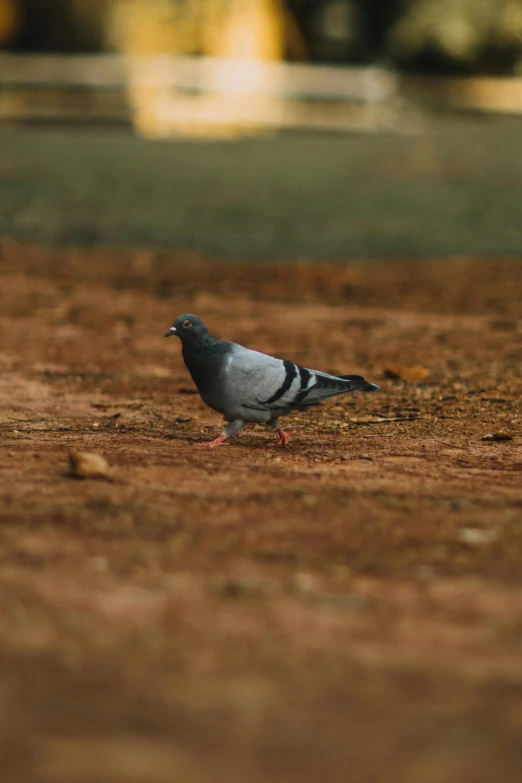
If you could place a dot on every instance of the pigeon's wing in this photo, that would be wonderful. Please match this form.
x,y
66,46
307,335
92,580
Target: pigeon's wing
x,y
256,380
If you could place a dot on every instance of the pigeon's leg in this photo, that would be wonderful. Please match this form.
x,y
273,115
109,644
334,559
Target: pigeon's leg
x,y
283,436
220,439
232,428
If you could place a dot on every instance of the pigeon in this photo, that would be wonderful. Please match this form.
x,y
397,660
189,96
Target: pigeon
x,y
248,386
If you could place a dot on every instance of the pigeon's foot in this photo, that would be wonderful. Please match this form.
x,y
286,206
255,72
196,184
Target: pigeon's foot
x,y
283,437
213,443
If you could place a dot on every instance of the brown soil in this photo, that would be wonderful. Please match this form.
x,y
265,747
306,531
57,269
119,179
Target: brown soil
x,y
346,609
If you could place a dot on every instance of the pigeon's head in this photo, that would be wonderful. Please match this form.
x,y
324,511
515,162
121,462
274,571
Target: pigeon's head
x,y
188,328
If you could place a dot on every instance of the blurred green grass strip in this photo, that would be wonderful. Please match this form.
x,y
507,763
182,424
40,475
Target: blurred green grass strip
x,y
452,187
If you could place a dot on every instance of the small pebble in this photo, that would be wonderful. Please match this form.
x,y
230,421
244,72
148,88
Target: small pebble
x,y
99,563
476,536
457,504
425,572
246,587
305,582
82,464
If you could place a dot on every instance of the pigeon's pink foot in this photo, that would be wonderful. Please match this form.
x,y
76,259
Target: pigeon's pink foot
x,y
283,437
213,443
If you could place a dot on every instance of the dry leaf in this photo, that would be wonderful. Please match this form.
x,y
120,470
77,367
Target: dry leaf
x,y
400,372
500,435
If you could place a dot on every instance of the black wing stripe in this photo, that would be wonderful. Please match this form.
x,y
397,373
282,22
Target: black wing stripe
x,y
291,372
305,376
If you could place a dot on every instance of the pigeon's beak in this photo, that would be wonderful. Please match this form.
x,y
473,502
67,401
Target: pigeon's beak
x,y
171,331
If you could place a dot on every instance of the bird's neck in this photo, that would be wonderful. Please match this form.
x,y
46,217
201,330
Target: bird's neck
x,y
203,346
203,359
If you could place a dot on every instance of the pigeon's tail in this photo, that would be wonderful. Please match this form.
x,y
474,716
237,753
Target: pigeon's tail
x,y
358,383
325,386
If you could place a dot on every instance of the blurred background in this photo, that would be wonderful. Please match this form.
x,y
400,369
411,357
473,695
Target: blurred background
x,y
455,36
361,127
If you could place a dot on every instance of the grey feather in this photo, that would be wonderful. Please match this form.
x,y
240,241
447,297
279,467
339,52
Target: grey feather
x,y
249,386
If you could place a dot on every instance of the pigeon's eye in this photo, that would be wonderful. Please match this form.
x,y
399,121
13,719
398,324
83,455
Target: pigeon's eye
x,y
187,323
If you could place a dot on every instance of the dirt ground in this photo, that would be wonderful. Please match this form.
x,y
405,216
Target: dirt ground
x,y
346,609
